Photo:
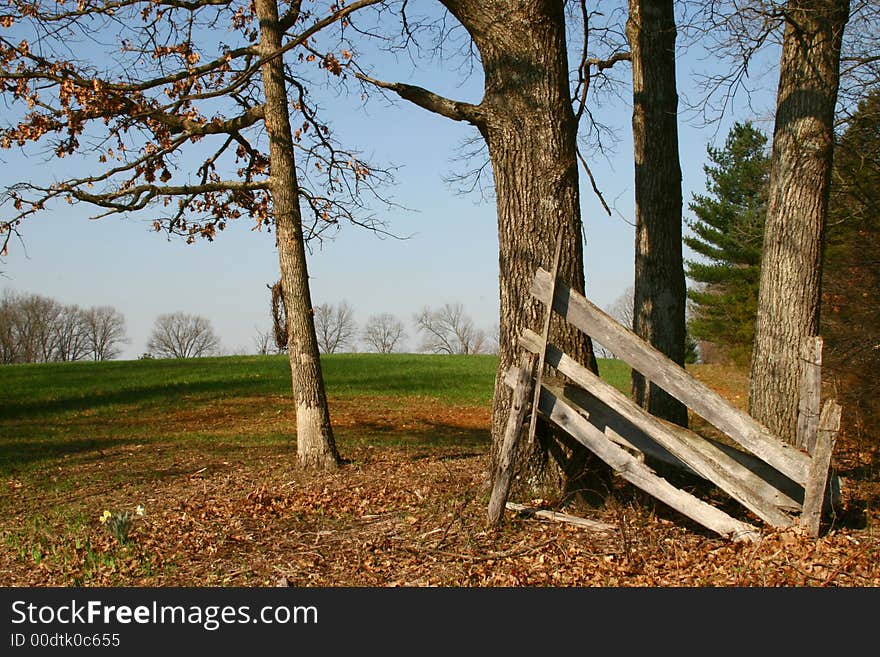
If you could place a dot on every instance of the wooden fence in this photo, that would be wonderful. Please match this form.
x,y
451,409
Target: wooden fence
x,y
779,483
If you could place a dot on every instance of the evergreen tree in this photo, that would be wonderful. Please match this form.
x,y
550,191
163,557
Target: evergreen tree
x,y
727,233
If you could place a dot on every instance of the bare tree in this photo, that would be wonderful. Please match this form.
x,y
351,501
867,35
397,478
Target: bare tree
x,y
659,293
8,329
529,124
335,326
35,328
620,309
38,329
264,342
185,110
71,335
180,335
449,330
29,328
384,333
105,331
828,60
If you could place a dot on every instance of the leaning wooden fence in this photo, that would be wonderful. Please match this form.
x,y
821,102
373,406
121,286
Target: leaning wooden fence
x,y
779,483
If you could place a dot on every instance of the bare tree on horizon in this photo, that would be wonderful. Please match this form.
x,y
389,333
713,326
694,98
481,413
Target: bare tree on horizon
x,y
384,333
449,330
335,326
181,335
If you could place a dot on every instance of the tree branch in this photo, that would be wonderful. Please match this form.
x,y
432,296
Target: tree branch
x,y
141,195
593,182
451,109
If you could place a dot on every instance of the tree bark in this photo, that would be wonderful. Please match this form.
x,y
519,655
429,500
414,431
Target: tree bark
x,y
800,174
316,447
659,285
527,120
530,129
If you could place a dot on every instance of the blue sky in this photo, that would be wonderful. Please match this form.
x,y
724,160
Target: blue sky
x,y
450,255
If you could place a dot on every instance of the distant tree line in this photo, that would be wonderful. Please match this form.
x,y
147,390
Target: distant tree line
x,y
444,330
38,329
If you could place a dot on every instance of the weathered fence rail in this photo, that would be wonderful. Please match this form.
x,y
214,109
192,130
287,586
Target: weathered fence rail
x,y
771,478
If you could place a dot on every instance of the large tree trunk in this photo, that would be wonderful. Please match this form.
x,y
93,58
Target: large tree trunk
x,y
659,285
791,265
316,447
530,128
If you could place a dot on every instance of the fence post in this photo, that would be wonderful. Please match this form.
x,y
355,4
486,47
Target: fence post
x,y
810,394
817,480
545,336
512,431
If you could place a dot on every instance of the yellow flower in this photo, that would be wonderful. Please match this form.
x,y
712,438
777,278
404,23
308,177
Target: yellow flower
x,y
105,517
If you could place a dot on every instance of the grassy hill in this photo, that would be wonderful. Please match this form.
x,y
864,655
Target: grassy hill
x,y
46,389
58,409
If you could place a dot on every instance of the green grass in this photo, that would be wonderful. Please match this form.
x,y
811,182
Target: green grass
x,y
50,390
56,388
458,379
60,410
616,372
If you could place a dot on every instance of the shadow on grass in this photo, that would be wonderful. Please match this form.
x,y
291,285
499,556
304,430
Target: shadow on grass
x,y
24,454
139,395
20,454
428,434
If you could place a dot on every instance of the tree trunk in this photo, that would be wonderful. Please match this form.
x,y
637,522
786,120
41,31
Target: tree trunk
x,y
800,174
659,285
530,129
315,444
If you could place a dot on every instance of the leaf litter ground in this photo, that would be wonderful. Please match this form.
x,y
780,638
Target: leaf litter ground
x,y
225,506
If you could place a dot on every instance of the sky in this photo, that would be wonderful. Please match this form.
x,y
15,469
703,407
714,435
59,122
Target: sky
x,y
449,254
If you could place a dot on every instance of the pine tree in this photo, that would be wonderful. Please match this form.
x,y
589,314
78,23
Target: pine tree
x,y
727,233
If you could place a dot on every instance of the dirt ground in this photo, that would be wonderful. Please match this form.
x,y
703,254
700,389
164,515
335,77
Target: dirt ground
x,y
396,514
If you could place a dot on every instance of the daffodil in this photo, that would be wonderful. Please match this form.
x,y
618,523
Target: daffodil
x,y
139,510
105,517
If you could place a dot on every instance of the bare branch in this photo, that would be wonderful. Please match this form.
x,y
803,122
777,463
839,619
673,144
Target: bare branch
x,y
598,193
451,109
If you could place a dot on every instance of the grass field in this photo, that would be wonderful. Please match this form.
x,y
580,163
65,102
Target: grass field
x,y
52,410
207,448
48,389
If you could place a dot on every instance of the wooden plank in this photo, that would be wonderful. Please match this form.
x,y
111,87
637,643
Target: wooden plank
x,y
707,461
810,394
545,335
674,379
764,480
639,474
814,491
769,482
593,525
512,431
